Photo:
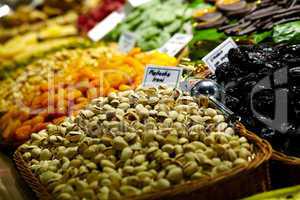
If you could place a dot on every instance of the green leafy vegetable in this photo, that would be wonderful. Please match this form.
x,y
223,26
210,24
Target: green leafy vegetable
x,y
204,41
259,37
289,32
211,34
199,4
154,22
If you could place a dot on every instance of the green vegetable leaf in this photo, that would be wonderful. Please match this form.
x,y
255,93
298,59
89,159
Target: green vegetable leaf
x,y
199,4
288,32
211,34
259,37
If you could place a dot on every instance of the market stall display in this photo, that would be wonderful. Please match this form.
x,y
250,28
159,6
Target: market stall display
x,y
154,23
61,84
131,144
80,122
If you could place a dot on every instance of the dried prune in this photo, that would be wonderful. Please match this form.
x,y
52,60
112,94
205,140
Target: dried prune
x,y
237,56
264,101
252,67
232,102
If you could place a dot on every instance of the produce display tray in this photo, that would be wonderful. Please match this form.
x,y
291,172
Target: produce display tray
x,y
238,183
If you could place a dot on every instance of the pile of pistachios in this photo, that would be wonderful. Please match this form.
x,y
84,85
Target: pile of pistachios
x,y
133,143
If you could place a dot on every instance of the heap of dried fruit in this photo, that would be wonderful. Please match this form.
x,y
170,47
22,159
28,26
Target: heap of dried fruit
x,y
133,143
252,16
265,80
22,46
220,12
55,87
154,23
88,21
267,15
28,47
47,9
24,84
66,19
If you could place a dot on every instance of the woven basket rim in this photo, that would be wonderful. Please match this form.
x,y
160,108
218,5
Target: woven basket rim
x,y
263,153
290,160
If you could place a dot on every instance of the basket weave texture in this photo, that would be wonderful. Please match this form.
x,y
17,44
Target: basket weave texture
x,y
235,184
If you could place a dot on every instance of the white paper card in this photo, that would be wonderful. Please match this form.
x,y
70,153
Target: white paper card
x,y
127,42
176,44
219,54
188,28
4,10
161,75
136,3
106,25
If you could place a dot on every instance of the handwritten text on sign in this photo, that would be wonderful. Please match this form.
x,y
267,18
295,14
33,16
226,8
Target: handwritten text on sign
x,y
155,76
175,44
219,55
106,25
127,42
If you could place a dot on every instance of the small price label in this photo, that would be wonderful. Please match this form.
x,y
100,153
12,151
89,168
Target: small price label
x,y
161,75
127,42
106,25
136,3
176,44
219,55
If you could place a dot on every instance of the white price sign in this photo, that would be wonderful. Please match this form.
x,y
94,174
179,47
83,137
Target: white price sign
x,y
136,3
219,54
160,75
176,44
4,10
106,25
127,42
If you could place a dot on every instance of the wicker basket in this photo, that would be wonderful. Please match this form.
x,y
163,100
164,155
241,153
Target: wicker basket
x,y
284,170
238,183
